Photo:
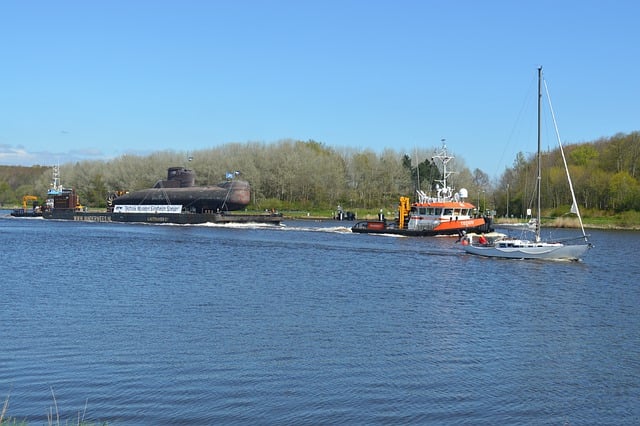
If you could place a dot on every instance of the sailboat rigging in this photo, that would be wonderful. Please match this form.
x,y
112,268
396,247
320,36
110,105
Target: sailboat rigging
x,y
535,249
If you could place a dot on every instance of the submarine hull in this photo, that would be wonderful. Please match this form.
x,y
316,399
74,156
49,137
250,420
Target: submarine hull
x,y
226,196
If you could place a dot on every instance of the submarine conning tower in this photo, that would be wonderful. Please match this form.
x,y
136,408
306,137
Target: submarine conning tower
x,y
177,177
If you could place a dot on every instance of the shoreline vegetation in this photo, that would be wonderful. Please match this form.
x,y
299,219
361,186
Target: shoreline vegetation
x,y
572,222
53,416
630,222
627,221
292,176
624,221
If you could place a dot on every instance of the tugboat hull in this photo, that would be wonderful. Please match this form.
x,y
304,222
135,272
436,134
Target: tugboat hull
x,y
453,228
26,213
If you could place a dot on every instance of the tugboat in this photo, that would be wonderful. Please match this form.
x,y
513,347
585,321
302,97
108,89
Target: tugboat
x,y
173,200
445,214
36,209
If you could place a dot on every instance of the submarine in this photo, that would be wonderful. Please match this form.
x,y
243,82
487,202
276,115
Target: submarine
x,y
179,189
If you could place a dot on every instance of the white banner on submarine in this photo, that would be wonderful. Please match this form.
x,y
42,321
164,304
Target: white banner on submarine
x,y
151,208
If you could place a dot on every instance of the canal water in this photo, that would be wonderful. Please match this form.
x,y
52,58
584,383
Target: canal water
x,y
308,323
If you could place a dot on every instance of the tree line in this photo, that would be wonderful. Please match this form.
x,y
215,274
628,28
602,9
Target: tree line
x,y
286,175
306,175
605,175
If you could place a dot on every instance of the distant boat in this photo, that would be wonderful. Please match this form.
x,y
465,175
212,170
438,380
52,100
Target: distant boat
x,y
37,210
531,224
533,249
34,211
446,213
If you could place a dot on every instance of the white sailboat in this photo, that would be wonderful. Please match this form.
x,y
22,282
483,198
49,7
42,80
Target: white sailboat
x,y
510,248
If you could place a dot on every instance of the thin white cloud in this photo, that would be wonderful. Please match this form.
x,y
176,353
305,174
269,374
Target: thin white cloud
x,y
14,155
19,156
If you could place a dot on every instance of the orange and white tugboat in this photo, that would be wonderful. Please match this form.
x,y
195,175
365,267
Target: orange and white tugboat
x,y
446,213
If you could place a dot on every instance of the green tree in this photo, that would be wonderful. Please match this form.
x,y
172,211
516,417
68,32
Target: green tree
x,y
96,191
625,191
7,195
583,155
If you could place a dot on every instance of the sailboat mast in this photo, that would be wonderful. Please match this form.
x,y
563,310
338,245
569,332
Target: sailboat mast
x,y
538,214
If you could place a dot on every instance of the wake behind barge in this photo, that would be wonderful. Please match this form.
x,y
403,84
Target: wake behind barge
x,y
175,200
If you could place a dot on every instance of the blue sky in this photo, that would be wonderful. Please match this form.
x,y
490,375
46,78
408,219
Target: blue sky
x,y
98,79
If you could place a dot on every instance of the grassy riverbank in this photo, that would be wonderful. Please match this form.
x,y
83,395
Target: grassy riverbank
x,y
623,221
629,220
592,220
53,417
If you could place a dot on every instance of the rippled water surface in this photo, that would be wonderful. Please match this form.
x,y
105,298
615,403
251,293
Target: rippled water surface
x,y
310,324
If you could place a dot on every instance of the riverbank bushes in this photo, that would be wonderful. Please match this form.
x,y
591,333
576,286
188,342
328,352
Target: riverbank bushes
x,y
308,175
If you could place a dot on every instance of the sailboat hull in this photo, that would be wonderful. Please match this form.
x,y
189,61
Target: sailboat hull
x,y
529,250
